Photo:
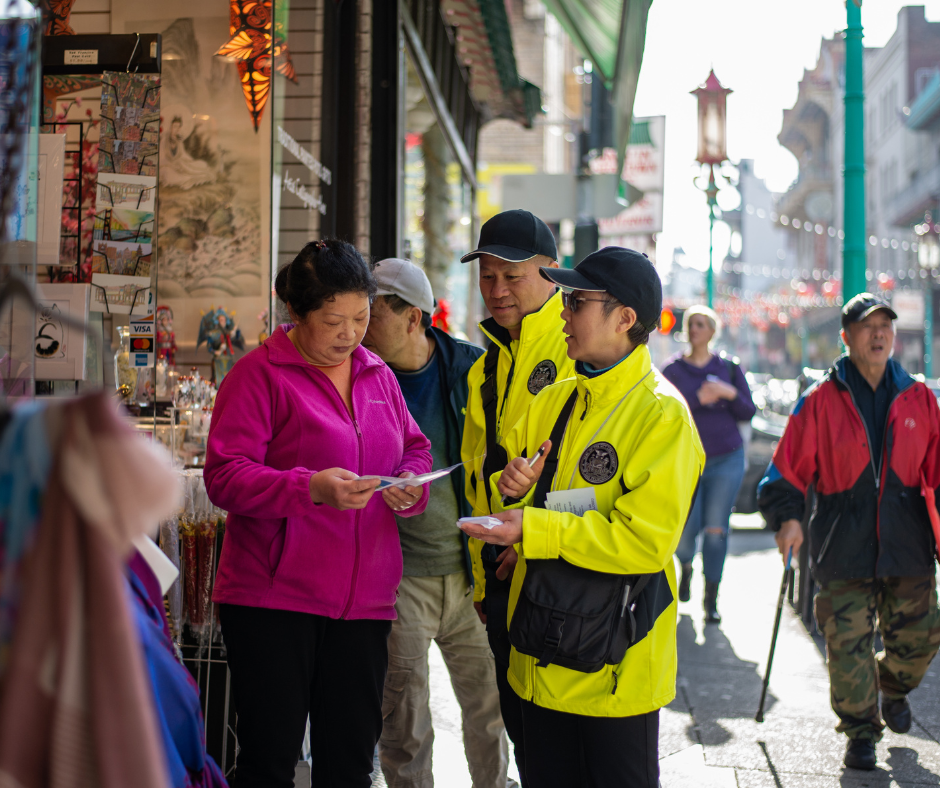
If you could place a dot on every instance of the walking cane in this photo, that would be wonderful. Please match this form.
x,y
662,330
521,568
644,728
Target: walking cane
x,y
773,641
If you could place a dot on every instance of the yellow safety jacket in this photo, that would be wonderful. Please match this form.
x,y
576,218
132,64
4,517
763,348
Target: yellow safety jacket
x,y
526,366
630,432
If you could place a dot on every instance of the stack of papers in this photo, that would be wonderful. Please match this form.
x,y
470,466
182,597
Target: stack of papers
x,y
486,521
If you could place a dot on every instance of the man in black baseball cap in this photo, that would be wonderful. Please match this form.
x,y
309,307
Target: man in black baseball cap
x,y
863,305
526,353
866,436
514,236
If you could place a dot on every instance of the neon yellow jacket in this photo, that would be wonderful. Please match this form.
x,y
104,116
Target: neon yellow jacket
x,y
653,469
539,358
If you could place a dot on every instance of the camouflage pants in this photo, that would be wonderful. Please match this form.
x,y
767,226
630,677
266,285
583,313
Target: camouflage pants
x,y
909,622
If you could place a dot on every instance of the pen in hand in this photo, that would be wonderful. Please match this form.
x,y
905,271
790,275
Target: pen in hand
x,y
531,463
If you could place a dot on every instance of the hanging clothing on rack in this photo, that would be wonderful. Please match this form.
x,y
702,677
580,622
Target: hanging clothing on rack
x,y
76,704
175,691
25,462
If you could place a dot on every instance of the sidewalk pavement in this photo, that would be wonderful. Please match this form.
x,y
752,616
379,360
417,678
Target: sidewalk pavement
x,y
708,736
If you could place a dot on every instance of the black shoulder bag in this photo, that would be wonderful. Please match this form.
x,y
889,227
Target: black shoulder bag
x,y
575,617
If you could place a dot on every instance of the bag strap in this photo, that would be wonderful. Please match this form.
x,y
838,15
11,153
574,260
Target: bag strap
x,y
551,462
496,457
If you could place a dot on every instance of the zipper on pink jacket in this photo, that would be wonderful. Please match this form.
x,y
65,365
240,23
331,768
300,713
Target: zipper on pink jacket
x,y
355,572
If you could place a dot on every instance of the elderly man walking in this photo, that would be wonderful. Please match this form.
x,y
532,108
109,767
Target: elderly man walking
x,y
868,437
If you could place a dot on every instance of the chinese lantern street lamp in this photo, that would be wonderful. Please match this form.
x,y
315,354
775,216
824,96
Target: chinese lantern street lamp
x,y
712,152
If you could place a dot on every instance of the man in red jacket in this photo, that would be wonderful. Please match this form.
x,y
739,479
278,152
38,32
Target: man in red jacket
x,y
867,435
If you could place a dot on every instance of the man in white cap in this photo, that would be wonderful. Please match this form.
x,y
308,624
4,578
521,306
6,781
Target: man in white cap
x,y
436,593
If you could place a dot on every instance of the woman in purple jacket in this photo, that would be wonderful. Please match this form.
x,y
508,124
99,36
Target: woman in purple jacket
x,y
311,559
719,397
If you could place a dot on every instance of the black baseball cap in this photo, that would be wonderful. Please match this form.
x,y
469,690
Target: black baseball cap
x,y
627,275
861,306
515,236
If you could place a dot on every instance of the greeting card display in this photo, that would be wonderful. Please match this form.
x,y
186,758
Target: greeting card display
x,y
126,196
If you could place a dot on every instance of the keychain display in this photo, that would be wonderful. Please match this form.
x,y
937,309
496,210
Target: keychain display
x,y
192,540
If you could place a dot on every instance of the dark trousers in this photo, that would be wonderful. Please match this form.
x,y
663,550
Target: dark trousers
x,y
571,751
496,607
286,665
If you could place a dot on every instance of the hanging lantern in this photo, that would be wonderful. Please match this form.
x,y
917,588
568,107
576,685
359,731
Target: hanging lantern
x,y
255,42
712,121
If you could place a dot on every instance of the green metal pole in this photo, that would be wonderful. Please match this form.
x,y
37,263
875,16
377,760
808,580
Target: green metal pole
x,y
928,328
712,194
853,248
710,278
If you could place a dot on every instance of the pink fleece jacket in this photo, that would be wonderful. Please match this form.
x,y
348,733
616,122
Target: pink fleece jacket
x,y
277,420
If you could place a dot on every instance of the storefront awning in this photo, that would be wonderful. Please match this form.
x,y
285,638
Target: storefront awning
x,y
612,35
926,107
484,47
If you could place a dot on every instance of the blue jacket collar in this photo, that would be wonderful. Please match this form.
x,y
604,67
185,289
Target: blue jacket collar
x,y
897,377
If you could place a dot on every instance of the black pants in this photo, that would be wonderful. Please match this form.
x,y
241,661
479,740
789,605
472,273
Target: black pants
x,y
571,751
286,665
496,607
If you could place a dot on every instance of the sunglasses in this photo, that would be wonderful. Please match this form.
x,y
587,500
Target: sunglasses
x,y
569,301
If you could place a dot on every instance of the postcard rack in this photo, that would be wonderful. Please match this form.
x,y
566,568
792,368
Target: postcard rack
x,y
74,175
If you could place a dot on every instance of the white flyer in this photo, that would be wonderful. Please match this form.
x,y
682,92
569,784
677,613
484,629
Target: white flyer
x,y
424,478
575,502
486,521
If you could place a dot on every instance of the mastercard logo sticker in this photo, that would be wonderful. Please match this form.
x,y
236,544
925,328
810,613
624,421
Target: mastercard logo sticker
x,y
142,344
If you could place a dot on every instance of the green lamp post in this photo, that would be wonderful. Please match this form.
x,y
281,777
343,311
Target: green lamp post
x,y
928,257
853,248
712,151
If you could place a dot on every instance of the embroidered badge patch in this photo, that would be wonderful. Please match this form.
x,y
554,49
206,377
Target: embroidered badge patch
x,y
543,375
598,463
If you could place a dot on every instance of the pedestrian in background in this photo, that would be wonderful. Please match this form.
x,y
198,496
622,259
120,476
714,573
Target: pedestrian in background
x,y
435,598
719,397
526,354
598,518
311,559
867,435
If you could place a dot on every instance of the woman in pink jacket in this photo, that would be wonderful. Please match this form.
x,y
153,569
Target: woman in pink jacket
x,y
311,559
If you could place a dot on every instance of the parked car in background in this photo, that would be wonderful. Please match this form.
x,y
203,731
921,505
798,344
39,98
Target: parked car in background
x,y
774,398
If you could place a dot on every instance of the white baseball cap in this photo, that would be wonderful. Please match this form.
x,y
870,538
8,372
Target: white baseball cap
x,y
405,280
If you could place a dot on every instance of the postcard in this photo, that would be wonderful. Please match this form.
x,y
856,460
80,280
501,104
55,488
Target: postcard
x,y
122,224
130,124
140,91
124,259
116,190
128,158
121,294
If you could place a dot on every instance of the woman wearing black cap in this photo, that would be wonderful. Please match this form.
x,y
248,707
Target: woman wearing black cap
x,y
596,520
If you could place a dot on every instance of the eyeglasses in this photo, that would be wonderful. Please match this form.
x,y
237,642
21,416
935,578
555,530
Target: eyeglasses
x,y
570,302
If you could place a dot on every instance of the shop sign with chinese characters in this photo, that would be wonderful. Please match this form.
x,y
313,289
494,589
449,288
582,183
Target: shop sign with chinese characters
x,y
644,169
